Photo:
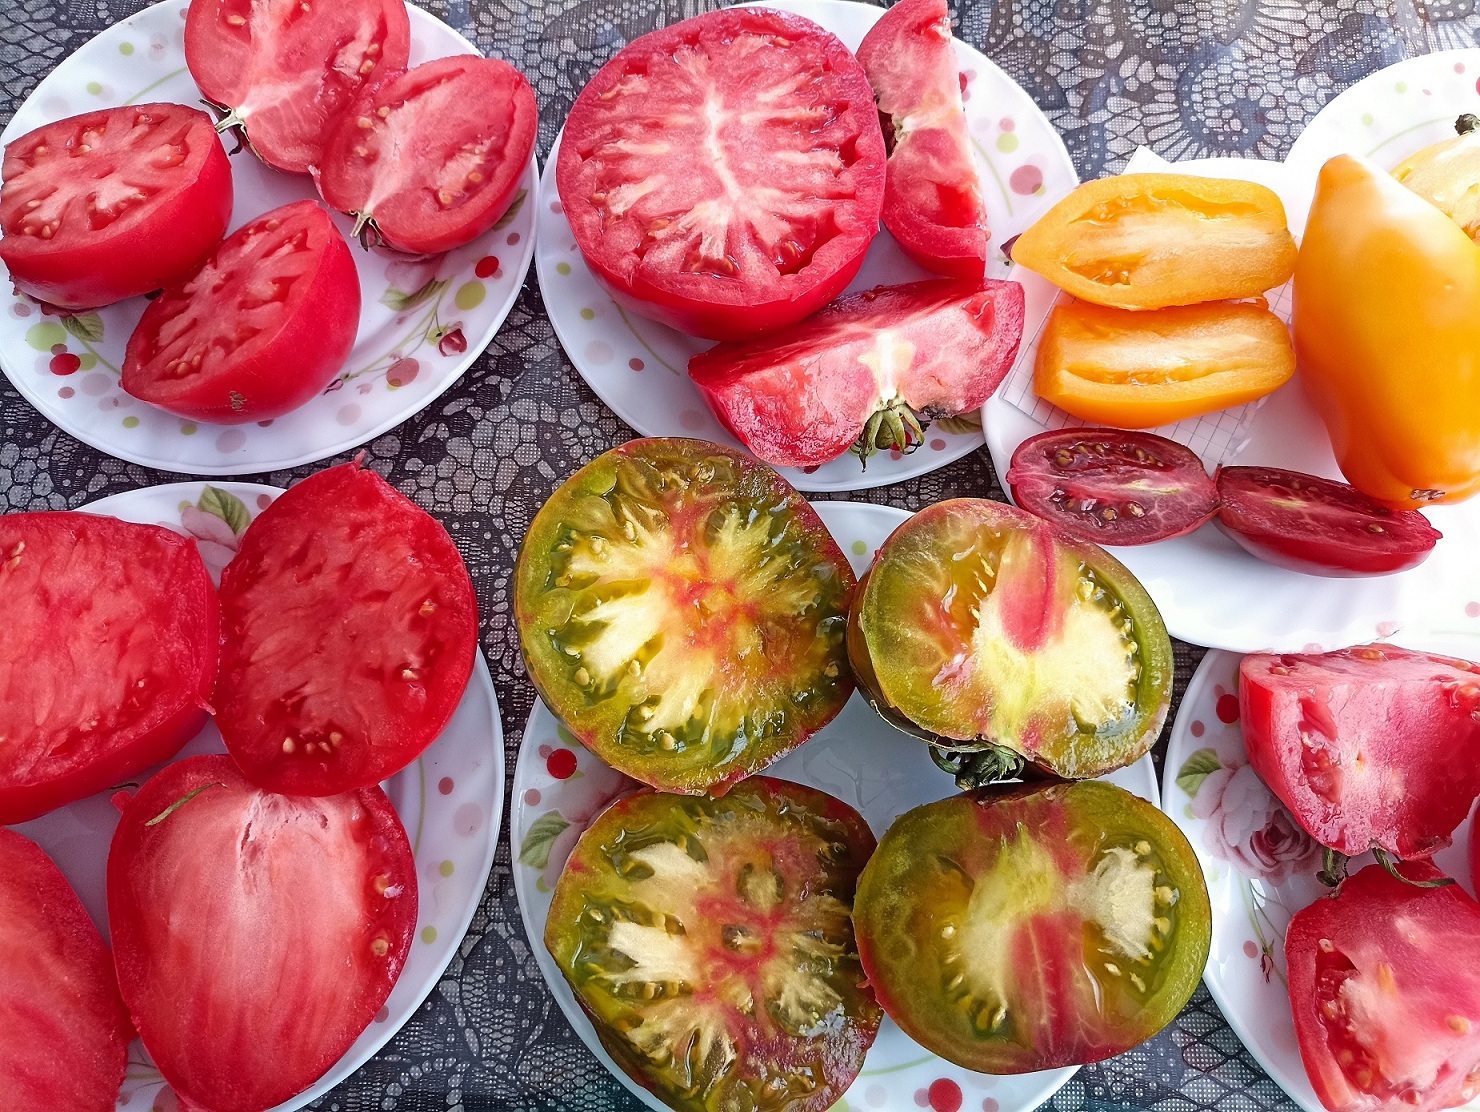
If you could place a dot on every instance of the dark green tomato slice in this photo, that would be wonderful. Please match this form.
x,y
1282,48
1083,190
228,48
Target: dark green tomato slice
x,y
1027,928
981,626
683,611
710,940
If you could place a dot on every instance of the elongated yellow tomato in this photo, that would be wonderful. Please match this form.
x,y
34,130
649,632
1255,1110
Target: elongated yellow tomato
x,y
1387,333
1448,174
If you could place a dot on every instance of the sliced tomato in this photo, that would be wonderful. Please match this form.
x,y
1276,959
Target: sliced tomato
x,y
349,632
725,175
1028,928
429,159
263,326
932,197
111,204
1319,526
1387,1008
682,610
282,71
256,935
867,372
709,940
983,628
108,648
1112,487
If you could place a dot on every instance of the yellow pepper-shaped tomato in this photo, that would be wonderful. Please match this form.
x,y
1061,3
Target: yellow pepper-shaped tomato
x,y
1387,334
1448,174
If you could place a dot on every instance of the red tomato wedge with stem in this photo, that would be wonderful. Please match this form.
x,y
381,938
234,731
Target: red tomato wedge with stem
x,y
932,199
429,159
111,204
256,935
282,71
867,372
725,175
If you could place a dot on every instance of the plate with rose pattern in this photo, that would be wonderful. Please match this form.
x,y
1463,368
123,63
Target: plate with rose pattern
x,y
450,801
423,321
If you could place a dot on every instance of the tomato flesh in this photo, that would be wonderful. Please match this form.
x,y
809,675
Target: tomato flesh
x,y
682,610
111,204
725,175
1028,928
349,633
710,942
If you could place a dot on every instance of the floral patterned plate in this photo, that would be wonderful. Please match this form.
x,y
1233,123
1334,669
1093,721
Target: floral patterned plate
x,y
639,368
450,801
1259,864
423,322
559,787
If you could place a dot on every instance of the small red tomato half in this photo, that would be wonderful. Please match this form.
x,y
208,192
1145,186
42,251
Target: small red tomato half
x,y
111,204
1319,526
429,159
283,73
867,372
349,630
108,648
1111,486
725,175
255,934
63,1031
258,330
933,199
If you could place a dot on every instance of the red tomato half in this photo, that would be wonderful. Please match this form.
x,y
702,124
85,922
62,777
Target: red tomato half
x,y
256,935
429,159
725,175
111,204
933,200
63,1031
283,71
258,330
349,630
108,647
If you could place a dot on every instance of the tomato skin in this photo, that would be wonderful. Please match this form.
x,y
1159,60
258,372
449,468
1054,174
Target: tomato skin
x,y
147,246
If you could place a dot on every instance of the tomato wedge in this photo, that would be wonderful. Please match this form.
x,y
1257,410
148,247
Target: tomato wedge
x,y
63,1031
111,204
682,611
709,940
932,197
256,935
108,648
282,71
263,326
349,632
1028,928
725,175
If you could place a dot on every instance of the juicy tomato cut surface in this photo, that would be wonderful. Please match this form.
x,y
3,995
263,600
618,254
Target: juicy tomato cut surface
x,y
683,610
710,942
1027,928
349,633
725,175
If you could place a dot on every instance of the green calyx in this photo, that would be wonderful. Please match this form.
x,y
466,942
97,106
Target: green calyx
x,y
976,768
366,230
1333,869
896,426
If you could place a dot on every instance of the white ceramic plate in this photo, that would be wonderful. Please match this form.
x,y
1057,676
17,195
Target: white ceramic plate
x,y
639,368
1234,823
450,800
559,787
396,368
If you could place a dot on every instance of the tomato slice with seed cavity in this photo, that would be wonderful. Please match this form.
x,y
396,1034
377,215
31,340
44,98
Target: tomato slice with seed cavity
x,y
1112,487
980,626
725,175
349,632
682,610
1026,928
256,935
108,648
263,326
111,204
710,942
